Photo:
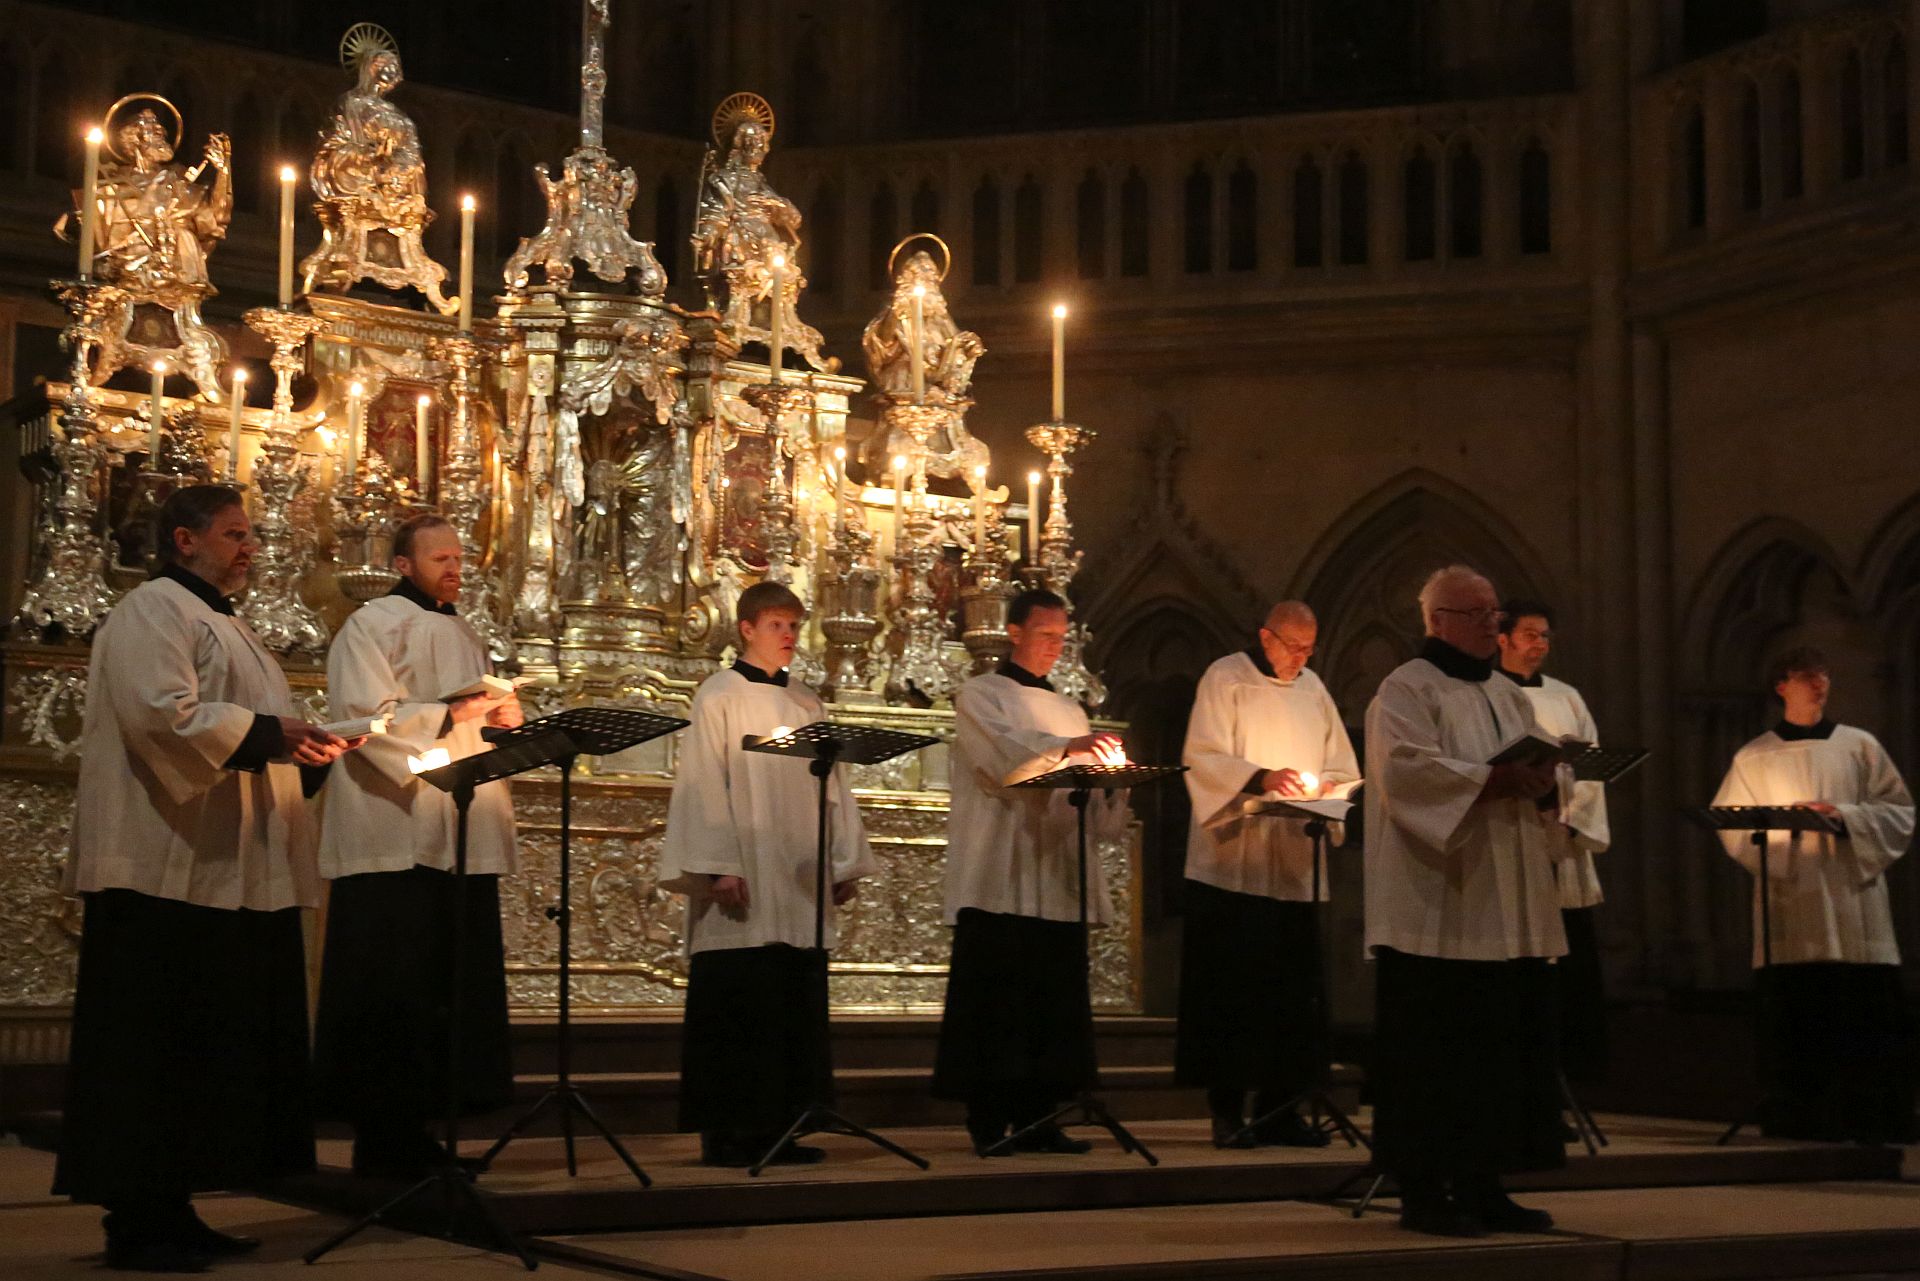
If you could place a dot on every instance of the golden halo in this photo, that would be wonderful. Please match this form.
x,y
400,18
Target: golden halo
x,y
361,40
946,254
106,126
735,110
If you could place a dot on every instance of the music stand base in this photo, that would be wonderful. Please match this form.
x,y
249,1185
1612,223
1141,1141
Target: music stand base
x,y
1591,1136
1085,1109
567,1097
821,1119
1373,1178
1336,1120
456,1185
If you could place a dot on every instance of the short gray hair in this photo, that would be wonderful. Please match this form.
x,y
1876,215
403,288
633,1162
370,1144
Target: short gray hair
x,y
1437,584
1297,612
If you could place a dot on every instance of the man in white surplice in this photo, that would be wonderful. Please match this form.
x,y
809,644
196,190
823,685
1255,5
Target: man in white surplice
x,y
387,846
1526,638
1462,919
193,854
742,845
1840,1067
1016,1037
1250,1017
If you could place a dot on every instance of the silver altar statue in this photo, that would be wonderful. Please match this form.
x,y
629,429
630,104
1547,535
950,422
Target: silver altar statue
x,y
370,181
740,225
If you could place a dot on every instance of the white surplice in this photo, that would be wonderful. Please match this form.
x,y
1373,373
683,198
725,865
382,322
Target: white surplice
x,y
755,816
1447,875
1012,850
1583,832
394,658
173,686
1246,722
1829,892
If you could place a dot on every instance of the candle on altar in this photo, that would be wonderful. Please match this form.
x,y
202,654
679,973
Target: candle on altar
x,y
157,413
775,344
1059,362
287,178
839,499
466,264
90,200
1033,518
422,460
914,347
980,511
238,399
352,471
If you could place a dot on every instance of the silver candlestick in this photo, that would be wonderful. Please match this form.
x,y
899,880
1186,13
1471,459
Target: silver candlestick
x,y
285,623
463,491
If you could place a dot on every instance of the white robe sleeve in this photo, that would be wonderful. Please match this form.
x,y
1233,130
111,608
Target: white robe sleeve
x,y
361,682
1009,752
1587,808
1430,793
1338,763
1217,774
153,690
702,837
1880,826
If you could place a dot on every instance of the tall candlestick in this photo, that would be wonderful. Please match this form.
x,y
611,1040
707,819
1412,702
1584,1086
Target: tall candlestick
x,y
979,511
775,354
90,200
1059,362
1033,518
466,264
422,460
287,177
238,399
914,344
157,412
354,392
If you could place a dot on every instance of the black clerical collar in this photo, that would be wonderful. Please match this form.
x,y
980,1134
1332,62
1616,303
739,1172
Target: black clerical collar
x,y
1020,675
1258,657
405,590
1822,728
199,586
1456,663
758,675
1534,681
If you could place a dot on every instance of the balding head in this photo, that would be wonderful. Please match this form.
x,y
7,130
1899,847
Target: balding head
x,y
1458,606
1288,637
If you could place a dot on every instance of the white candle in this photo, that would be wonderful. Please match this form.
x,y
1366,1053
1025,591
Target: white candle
x,y
774,343
466,264
238,399
354,392
914,344
158,412
1059,362
979,511
422,456
287,177
90,200
839,500
1033,517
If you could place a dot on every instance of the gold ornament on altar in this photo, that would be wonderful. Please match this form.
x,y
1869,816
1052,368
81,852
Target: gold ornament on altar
x,y
923,410
370,181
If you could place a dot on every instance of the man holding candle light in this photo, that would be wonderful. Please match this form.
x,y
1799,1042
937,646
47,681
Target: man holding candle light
x,y
1250,1021
387,844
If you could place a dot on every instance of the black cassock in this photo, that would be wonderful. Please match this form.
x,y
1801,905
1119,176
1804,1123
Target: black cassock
x,y
1250,1015
757,1047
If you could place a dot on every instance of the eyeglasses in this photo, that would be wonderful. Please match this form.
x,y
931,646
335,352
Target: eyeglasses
x,y
1479,614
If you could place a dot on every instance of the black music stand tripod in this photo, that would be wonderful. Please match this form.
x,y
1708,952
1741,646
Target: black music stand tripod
x,y
823,745
514,753
594,731
1760,821
1079,782
1319,1094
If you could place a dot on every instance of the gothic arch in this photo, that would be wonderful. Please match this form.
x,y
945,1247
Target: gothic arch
x,y
1751,592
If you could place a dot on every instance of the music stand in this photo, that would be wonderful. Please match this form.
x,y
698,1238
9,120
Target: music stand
x,y
824,744
514,753
1319,1093
592,731
1079,782
1605,764
1760,821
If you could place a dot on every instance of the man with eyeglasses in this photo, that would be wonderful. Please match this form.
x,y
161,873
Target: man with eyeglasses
x,y
1840,1063
1526,638
1262,724
1462,920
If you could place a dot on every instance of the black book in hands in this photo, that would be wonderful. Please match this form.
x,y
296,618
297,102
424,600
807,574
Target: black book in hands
x,y
1536,748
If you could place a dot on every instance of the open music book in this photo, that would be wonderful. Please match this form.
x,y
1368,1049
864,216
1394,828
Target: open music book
x,y
488,686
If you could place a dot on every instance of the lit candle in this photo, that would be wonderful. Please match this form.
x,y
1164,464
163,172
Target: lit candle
x,y
238,398
157,413
1033,517
775,356
466,264
980,511
839,500
422,462
287,177
899,491
1059,362
913,344
354,392
90,200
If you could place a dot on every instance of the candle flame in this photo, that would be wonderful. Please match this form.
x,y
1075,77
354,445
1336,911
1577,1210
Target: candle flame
x,y
240,375
95,136
1059,311
326,435
981,471
289,174
919,291
1033,478
839,454
159,366
356,389
779,260
424,401
466,204
1310,782
726,482
899,462
434,758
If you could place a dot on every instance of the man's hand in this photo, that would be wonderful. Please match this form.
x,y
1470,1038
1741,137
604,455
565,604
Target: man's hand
x,y
1519,782
1106,749
730,892
1286,782
507,714
474,707
844,892
1820,807
308,744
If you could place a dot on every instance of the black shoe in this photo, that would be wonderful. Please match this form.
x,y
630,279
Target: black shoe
x,y
985,1134
1232,1132
1288,1130
155,1255
1440,1219
1488,1202
1051,1140
195,1234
